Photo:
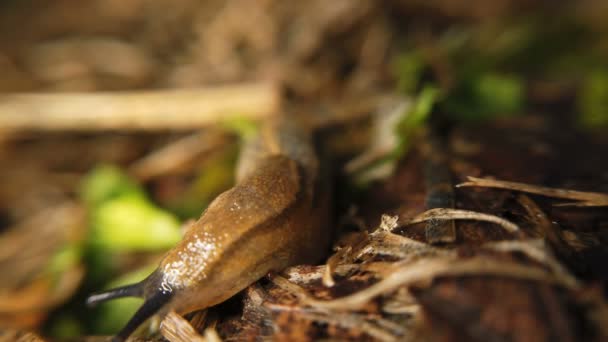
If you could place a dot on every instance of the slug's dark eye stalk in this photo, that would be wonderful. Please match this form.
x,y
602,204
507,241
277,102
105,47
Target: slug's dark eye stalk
x,y
133,290
151,306
153,303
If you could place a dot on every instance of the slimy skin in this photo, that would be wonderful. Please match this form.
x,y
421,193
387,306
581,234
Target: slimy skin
x,y
271,219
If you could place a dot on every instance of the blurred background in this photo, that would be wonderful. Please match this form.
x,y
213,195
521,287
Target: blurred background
x,y
92,194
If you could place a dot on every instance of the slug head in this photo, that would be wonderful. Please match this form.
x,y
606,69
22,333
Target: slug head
x,y
154,300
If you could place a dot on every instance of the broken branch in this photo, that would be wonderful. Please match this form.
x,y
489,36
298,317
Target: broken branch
x,y
182,109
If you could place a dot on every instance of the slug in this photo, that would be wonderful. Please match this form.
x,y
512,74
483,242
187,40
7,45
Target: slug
x,y
274,217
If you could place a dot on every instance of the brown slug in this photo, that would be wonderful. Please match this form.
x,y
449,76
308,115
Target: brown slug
x,y
272,218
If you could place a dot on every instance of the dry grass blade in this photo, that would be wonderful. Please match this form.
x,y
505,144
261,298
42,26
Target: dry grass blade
x,y
41,294
332,263
459,214
404,248
175,154
297,275
211,335
428,269
378,328
19,336
143,110
177,329
537,251
290,287
585,199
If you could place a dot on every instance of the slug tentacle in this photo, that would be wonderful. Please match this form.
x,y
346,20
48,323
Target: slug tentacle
x,y
150,307
132,290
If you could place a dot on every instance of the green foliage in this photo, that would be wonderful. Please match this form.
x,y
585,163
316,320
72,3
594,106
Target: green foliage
x,y
392,135
65,326
242,126
414,118
107,182
593,100
64,259
409,68
485,96
216,176
131,223
122,217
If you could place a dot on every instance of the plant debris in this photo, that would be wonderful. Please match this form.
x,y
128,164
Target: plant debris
x,y
419,96
583,199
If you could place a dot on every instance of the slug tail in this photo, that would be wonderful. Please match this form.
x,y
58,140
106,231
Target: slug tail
x,y
133,290
150,307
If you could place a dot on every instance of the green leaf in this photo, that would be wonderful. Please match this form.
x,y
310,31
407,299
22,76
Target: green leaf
x,y
486,95
408,67
242,126
130,222
593,100
414,118
65,258
497,93
106,182
216,176
65,326
392,134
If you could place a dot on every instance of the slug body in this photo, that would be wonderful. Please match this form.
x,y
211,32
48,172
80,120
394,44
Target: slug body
x,y
272,218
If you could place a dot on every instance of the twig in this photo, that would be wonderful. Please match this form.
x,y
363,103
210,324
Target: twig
x,y
331,264
586,199
290,287
378,328
211,335
440,189
177,329
428,269
175,154
543,226
537,251
136,110
458,214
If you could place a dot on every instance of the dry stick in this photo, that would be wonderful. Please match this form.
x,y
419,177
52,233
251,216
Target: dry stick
x,y
211,335
175,328
440,189
543,225
458,214
536,250
427,270
347,320
342,320
136,110
317,272
331,264
387,223
176,154
384,242
587,199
